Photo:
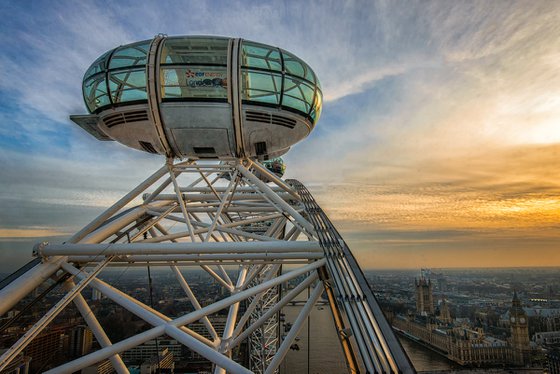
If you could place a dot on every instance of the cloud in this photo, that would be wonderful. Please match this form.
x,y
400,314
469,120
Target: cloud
x,y
58,41
363,80
29,233
501,93
438,116
513,187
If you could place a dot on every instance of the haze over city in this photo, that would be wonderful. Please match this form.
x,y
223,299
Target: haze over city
x,y
438,144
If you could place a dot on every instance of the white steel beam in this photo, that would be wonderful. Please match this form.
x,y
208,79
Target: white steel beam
x,y
209,197
264,188
178,248
151,224
242,295
243,334
205,259
15,349
180,199
255,270
207,352
194,301
240,189
221,207
226,285
244,221
23,285
111,227
271,273
95,326
134,306
118,205
271,176
296,327
230,322
227,227
105,353
154,332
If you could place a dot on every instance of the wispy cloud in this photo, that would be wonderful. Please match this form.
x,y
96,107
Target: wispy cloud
x,y
438,116
29,233
48,50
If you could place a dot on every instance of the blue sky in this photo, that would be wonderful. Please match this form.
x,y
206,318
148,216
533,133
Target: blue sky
x,y
438,144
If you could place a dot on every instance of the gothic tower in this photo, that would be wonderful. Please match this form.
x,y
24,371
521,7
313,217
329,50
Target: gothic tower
x,y
424,296
444,314
519,331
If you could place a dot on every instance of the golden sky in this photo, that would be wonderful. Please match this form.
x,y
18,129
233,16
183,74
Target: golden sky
x,y
438,145
452,157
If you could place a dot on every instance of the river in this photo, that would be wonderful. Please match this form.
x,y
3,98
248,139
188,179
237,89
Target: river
x,y
325,354
424,359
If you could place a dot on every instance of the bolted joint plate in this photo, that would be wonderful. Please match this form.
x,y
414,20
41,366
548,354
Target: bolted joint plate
x,y
38,249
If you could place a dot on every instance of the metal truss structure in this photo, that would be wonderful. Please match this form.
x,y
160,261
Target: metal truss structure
x,y
263,342
216,217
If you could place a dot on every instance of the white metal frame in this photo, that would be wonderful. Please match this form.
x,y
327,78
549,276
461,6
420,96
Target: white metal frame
x,y
212,216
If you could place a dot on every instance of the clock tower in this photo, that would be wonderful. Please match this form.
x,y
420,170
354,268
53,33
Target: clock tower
x,y
519,331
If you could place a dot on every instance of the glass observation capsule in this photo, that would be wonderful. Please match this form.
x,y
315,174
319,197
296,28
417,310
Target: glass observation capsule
x,y
275,165
201,97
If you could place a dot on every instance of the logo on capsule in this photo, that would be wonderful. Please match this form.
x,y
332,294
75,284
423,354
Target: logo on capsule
x,y
197,79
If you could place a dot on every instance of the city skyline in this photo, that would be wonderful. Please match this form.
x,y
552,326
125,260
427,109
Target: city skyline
x,y
498,315
437,146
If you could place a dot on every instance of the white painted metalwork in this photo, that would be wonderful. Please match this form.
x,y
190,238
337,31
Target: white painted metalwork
x,y
249,236
264,332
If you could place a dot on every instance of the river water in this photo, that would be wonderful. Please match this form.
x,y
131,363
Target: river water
x,y
424,359
325,355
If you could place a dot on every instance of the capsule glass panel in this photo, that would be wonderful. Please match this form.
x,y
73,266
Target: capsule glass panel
x,y
97,66
195,51
194,82
295,66
128,85
254,55
317,106
298,94
276,166
95,92
261,87
130,55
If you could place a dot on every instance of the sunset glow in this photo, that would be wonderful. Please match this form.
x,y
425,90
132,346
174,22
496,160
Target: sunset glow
x,y
439,142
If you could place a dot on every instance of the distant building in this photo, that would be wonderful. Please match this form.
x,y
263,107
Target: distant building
x,y
19,365
473,348
80,342
218,322
96,295
45,348
150,349
544,319
553,359
444,313
103,367
547,338
458,340
424,296
519,324
160,363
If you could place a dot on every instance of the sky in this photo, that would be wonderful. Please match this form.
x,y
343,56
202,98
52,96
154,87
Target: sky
x,y
438,145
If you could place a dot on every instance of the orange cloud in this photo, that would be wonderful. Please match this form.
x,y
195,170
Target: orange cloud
x,y
30,233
